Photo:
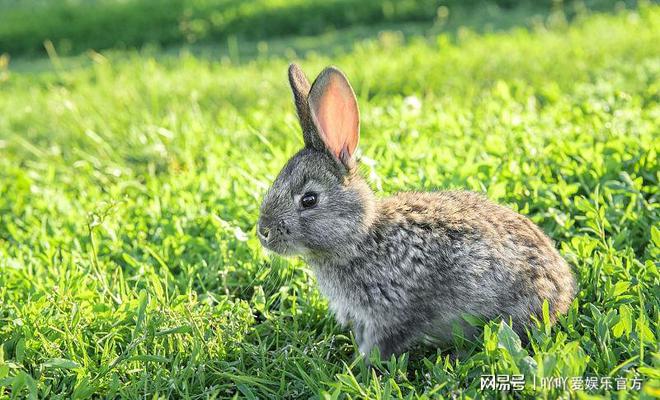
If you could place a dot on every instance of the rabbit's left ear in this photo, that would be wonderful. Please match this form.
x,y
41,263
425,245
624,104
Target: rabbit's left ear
x,y
300,88
335,114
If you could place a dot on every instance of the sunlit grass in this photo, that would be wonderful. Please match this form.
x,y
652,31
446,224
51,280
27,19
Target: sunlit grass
x,y
129,189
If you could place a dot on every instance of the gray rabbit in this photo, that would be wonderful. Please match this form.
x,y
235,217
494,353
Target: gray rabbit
x,y
401,269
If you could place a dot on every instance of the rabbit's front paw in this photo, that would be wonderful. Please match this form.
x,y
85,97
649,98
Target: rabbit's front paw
x,y
387,343
358,332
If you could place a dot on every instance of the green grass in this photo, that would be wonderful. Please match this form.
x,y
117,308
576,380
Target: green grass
x,y
130,186
75,26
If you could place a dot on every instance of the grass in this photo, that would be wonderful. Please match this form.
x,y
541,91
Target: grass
x,y
74,26
130,185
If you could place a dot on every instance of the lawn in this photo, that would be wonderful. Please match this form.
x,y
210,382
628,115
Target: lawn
x,y
130,182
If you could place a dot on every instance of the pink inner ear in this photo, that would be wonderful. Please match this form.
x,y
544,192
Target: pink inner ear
x,y
337,116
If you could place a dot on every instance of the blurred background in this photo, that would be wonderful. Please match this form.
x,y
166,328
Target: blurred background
x,y
75,26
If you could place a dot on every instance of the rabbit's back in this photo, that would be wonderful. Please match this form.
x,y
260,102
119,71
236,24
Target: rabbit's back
x,y
478,238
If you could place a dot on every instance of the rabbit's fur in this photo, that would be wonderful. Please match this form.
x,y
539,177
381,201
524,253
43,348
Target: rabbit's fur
x,y
405,268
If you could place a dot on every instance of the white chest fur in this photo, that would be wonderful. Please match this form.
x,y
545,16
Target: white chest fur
x,y
342,303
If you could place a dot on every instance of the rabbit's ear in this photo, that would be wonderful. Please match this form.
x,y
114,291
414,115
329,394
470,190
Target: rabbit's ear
x,y
300,88
334,111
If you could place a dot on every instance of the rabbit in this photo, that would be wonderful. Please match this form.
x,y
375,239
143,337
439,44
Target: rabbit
x,y
405,269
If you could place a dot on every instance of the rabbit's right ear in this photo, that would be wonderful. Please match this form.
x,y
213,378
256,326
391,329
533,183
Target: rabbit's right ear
x,y
334,110
300,87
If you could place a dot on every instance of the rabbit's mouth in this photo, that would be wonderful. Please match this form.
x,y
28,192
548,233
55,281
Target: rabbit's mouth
x,y
274,241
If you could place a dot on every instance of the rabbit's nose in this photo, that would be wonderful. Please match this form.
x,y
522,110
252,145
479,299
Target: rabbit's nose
x,y
263,231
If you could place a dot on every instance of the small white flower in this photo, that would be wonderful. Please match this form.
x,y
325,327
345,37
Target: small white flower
x,y
412,104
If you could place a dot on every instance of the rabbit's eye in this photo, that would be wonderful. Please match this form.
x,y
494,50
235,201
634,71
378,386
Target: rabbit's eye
x,y
309,199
